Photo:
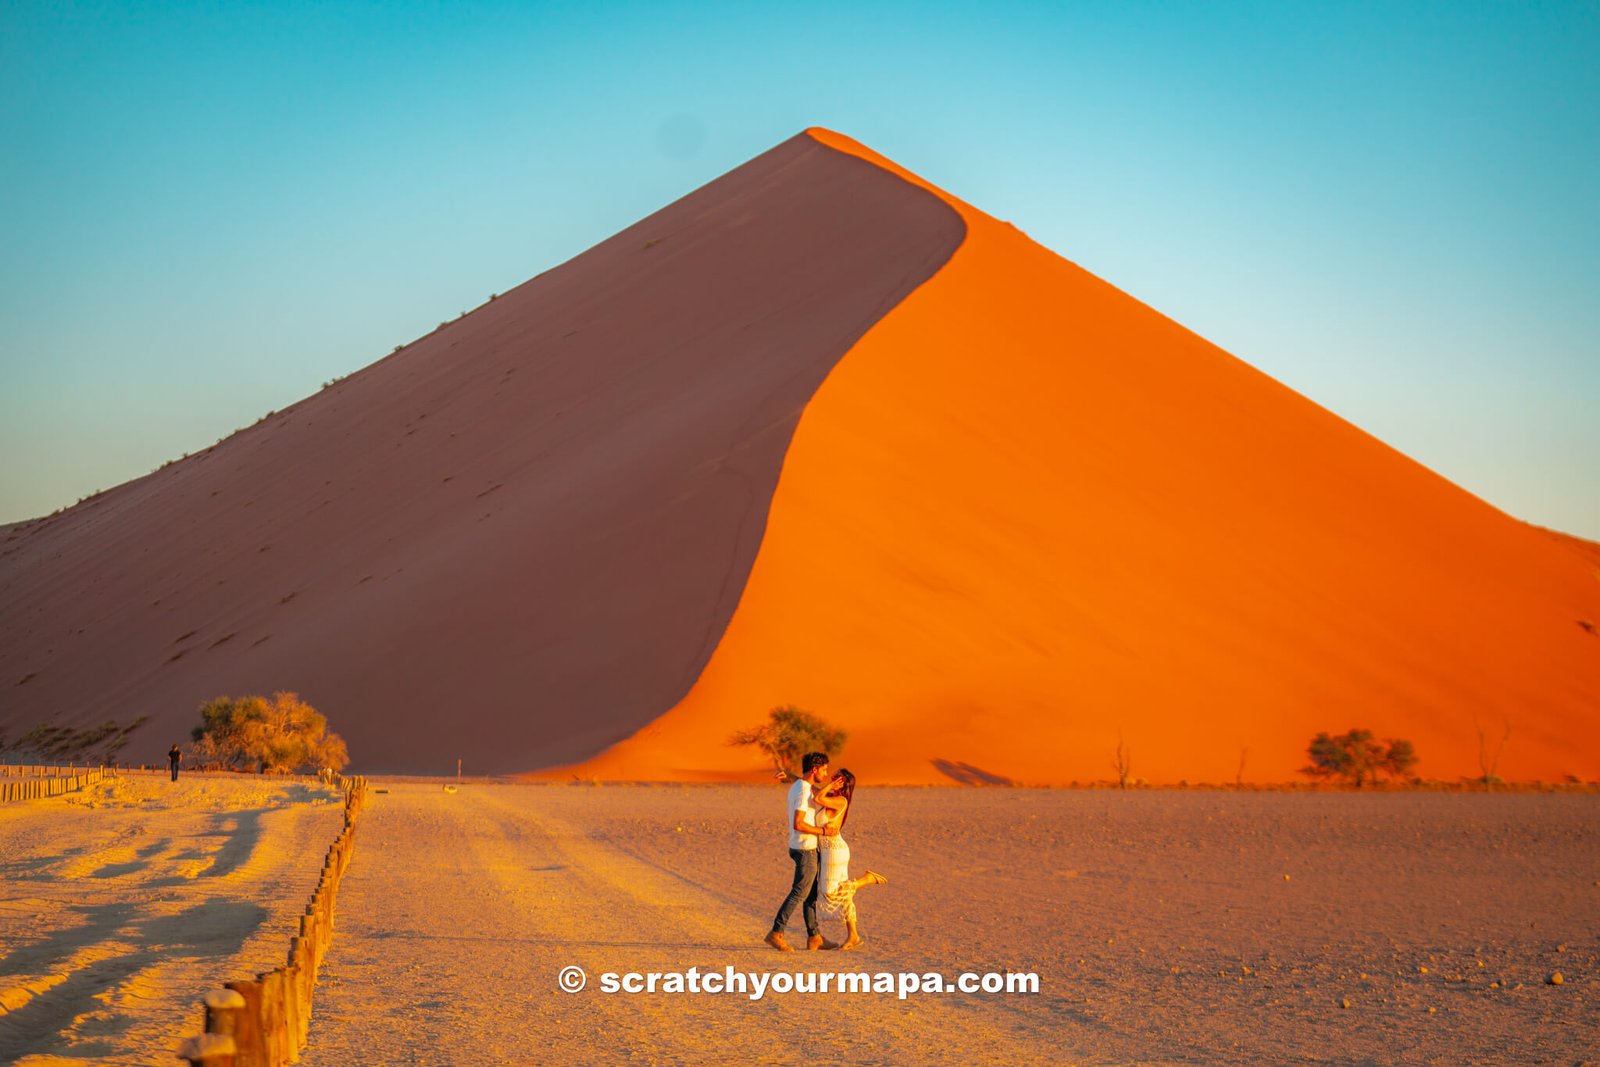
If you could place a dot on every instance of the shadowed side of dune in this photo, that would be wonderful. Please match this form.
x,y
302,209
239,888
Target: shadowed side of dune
x,y
515,541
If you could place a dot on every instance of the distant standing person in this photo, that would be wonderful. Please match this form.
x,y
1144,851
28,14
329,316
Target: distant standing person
x,y
803,833
175,757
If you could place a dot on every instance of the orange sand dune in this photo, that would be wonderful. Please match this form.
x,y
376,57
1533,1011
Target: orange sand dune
x,y
1027,514
817,434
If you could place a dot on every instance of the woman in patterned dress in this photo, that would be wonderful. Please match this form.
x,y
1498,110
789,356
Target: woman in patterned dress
x,y
838,893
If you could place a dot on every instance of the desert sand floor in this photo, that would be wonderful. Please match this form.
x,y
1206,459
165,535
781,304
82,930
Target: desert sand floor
x,y
121,904
1191,927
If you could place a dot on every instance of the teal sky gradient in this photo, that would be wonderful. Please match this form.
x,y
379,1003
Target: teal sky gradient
x,y
210,210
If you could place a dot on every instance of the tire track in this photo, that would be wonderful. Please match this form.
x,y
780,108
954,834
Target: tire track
x,y
460,910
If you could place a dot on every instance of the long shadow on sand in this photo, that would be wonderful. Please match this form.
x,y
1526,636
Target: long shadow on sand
x,y
20,870
216,928
242,830
103,920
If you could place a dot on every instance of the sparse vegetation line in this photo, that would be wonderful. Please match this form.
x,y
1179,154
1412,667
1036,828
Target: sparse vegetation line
x,y
89,744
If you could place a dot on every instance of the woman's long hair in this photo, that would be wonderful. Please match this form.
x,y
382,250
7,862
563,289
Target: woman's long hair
x,y
847,789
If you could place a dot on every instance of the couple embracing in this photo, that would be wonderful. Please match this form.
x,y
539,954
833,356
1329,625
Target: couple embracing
x,y
819,804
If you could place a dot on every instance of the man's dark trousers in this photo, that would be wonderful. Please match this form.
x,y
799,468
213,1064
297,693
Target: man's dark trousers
x,y
805,887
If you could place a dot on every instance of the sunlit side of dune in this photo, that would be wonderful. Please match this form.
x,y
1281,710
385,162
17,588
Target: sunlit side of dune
x,y
1026,515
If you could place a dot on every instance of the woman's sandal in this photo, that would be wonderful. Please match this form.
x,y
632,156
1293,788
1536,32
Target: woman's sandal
x,y
875,878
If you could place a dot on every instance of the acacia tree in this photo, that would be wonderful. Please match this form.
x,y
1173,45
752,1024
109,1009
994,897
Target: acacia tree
x,y
1358,757
788,734
279,735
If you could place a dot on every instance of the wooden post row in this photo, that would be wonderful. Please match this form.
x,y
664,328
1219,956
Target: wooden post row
x,y
265,1023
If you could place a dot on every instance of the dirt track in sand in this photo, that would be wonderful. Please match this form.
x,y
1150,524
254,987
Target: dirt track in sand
x,y
1162,926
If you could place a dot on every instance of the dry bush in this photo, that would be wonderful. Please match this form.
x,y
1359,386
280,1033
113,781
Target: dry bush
x,y
788,734
280,734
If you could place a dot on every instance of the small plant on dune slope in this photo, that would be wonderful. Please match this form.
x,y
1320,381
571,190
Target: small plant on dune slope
x,y
788,734
280,734
1357,757
1489,762
1123,763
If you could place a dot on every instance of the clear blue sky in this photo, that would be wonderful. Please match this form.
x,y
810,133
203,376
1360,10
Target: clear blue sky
x,y
211,209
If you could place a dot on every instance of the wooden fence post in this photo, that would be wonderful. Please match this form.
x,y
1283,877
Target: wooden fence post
x,y
223,1008
272,1041
291,1011
210,1050
251,1052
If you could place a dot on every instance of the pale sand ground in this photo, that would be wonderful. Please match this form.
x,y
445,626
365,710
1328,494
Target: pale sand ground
x,y
1161,925
121,904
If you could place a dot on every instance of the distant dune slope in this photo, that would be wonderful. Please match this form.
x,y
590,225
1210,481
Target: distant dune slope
x,y
517,540
1027,515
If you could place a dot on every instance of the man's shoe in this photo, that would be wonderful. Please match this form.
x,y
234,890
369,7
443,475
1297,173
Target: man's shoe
x,y
818,941
775,939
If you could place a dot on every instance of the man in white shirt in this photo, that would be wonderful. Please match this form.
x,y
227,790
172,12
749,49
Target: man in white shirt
x,y
803,832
